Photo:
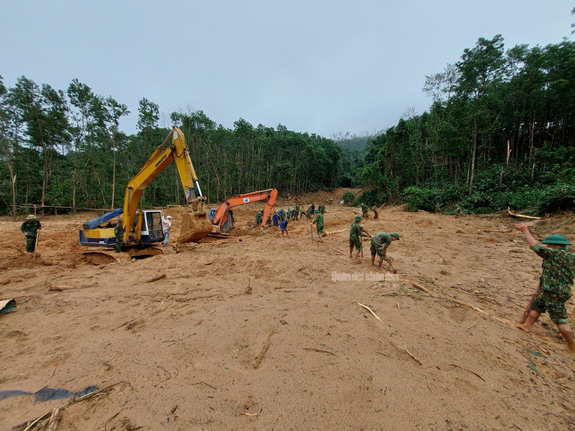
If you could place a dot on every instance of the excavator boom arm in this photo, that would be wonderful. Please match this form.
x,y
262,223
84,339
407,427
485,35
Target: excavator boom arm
x,y
269,195
177,151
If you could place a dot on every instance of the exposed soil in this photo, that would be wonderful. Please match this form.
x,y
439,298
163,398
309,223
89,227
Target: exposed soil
x,y
255,332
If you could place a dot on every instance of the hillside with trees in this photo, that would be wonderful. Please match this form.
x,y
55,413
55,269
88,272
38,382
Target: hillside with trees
x,y
500,132
64,149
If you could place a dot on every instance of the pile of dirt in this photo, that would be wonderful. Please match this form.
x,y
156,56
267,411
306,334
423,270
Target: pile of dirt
x,y
194,226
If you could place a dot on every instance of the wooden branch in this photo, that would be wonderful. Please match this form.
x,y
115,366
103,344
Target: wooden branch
x,y
158,277
259,359
412,357
512,214
333,232
204,383
406,351
339,251
319,350
370,310
469,371
54,419
420,287
465,304
62,288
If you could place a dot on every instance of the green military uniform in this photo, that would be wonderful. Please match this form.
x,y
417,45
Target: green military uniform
x,y
296,212
31,227
364,210
321,209
259,216
119,234
379,243
555,283
355,232
318,220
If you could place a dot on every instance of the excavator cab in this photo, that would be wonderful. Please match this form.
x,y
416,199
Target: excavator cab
x,y
152,230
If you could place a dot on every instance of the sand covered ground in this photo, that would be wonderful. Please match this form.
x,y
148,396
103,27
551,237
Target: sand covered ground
x,y
260,332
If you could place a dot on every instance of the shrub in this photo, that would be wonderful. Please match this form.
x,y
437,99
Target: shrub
x,y
370,198
556,198
348,198
420,198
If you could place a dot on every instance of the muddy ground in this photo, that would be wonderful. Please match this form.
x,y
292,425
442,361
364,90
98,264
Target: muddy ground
x,y
263,332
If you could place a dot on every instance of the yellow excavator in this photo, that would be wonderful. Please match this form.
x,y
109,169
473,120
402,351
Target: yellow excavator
x,y
143,228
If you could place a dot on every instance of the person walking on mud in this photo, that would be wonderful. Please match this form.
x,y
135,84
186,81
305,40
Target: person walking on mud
x,y
554,285
284,227
364,210
318,221
30,228
355,234
379,244
119,234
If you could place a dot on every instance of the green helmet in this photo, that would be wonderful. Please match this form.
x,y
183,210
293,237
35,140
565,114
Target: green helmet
x,y
395,235
556,239
357,218
316,211
31,217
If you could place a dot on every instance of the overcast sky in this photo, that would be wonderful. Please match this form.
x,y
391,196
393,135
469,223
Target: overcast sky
x,y
317,66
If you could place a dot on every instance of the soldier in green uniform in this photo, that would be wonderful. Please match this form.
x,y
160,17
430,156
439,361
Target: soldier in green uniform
x,y
321,208
554,285
296,212
119,234
30,228
318,220
364,210
355,232
259,217
379,244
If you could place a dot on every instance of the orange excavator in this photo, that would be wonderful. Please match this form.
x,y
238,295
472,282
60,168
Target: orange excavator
x,y
222,217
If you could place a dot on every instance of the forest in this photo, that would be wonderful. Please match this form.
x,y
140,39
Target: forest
x,y
500,133
63,150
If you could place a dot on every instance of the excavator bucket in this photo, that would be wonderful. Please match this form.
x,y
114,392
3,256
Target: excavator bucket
x,y
194,227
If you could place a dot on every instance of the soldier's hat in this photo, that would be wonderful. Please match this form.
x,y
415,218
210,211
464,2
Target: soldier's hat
x,y
31,217
395,235
357,218
556,239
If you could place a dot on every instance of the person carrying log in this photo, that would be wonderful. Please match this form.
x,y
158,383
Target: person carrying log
x,y
555,284
379,245
355,234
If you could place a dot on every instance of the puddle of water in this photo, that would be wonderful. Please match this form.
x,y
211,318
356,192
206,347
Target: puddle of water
x,y
13,393
47,394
